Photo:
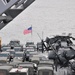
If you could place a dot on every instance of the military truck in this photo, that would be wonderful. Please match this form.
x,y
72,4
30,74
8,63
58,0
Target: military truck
x,y
4,48
35,59
19,71
47,62
28,65
45,67
25,68
18,57
4,69
4,57
39,46
15,44
45,70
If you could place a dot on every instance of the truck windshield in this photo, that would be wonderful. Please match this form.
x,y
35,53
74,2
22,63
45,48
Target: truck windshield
x,y
3,55
17,74
18,55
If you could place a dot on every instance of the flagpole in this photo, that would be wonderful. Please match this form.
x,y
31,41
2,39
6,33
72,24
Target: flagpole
x,y
42,35
31,31
31,34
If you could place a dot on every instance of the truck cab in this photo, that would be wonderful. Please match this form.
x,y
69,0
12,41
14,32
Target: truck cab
x,y
18,71
4,69
45,70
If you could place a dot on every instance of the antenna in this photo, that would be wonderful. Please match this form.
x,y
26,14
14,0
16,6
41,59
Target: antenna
x,y
42,35
39,36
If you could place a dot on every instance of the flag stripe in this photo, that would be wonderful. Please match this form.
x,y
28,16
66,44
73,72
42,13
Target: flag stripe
x,y
30,28
27,31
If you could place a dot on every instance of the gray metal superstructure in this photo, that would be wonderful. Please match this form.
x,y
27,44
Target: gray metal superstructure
x,y
9,7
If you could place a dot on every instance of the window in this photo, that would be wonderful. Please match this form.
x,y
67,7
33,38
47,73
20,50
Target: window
x,y
45,73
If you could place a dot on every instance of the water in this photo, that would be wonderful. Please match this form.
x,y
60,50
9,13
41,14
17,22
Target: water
x,y
47,17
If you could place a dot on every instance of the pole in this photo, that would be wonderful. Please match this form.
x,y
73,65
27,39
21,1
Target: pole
x,y
42,43
0,43
31,33
42,34
39,36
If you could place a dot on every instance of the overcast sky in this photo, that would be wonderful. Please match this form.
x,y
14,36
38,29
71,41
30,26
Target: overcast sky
x,y
52,17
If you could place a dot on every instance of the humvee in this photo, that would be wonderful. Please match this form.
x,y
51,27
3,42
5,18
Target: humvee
x,y
4,48
28,65
4,57
45,70
19,71
45,67
35,59
4,70
47,62
16,69
18,57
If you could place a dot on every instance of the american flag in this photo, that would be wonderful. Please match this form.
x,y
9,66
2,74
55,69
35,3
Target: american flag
x,y
27,31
